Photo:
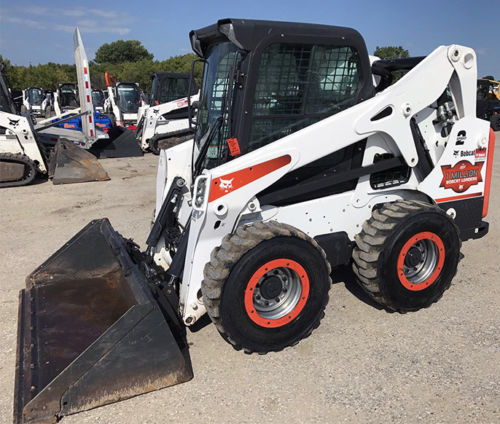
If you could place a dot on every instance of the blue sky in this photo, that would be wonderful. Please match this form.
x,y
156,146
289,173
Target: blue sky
x,y
39,32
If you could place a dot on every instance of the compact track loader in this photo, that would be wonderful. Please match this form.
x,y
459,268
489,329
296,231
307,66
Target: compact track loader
x,y
305,157
165,121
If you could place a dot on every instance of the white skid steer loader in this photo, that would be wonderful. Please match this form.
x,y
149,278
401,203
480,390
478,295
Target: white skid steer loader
x,y
36,102
299,163
26,151
165,121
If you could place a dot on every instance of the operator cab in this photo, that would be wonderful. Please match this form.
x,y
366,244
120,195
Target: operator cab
x,y
68,94
98,99
35,96
264,80
128,97
169,86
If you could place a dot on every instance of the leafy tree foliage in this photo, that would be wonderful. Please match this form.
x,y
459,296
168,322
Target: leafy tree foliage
x,y
391,52
48,75
122,51
489,77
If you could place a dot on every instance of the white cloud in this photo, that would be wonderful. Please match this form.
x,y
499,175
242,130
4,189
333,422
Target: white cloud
x,y
88,20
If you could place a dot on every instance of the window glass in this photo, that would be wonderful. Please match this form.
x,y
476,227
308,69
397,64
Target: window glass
x,y
299,85
129,98
213,105
35,96
98,98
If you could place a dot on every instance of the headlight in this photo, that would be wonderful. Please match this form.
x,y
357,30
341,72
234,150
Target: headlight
x,y
200,192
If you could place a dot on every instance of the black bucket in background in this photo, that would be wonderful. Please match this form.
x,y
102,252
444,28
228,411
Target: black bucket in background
x,y
121,143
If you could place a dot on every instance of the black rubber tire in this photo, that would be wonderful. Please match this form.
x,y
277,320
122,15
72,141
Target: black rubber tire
x,y
495,122
153,146
380,243
234,262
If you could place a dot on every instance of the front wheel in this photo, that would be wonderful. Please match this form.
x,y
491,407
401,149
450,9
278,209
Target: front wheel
x,y
266,287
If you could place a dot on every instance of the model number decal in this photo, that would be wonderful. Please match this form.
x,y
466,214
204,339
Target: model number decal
x,y
461,176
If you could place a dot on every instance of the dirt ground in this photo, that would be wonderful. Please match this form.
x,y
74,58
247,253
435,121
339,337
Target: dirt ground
x,y
362,365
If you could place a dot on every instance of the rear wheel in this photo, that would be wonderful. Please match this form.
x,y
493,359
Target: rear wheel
x,y
266,287
407,255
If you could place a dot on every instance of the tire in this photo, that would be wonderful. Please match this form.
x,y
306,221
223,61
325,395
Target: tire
x,y
495,122
153,146
406,255
265,262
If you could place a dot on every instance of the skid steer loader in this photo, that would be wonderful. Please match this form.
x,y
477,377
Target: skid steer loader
x,y
165,123
36,102
305,157
26,151
66,97
122,104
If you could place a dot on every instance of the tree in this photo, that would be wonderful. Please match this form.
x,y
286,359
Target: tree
x,y
489,77
391,52
122,51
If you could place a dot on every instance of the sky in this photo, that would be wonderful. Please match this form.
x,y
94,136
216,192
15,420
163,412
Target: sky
x,y
33,32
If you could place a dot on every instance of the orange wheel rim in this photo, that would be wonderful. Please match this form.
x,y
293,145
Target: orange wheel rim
x,y
265,283
409,256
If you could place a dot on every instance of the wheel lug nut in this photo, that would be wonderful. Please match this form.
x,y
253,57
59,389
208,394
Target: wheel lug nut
x,y
277,299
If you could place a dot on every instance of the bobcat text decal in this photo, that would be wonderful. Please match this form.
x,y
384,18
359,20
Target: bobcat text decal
x,y
461,176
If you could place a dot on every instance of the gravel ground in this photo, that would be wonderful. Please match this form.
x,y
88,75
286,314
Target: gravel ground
x,y
439,365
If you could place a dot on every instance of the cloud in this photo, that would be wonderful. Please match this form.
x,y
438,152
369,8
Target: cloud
x,y
88,20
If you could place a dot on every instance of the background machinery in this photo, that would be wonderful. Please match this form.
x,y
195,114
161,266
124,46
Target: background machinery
x,y
66,97
27,150
488,102
124,100
164,122
299,163
36,102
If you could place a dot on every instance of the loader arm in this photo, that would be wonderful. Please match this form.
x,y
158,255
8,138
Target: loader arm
x,y
163,118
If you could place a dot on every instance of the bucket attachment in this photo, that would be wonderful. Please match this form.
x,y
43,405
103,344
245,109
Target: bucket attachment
x,y
91,331
71,164
122,143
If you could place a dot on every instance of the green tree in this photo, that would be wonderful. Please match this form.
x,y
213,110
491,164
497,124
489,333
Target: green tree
x,y
122,51
391,52
489,77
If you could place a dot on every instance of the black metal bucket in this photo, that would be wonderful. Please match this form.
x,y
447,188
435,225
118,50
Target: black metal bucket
x,y
90,331
70,164
122,143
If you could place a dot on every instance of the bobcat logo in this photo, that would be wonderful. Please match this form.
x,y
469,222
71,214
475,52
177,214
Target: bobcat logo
x,y
13,123
226,185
